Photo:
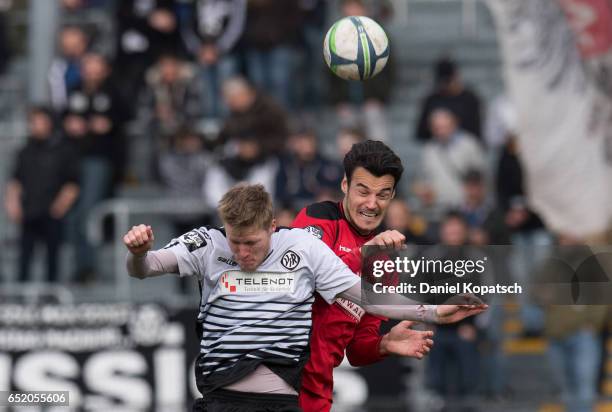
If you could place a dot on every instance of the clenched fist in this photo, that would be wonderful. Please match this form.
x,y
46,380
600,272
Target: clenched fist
x,y
139,239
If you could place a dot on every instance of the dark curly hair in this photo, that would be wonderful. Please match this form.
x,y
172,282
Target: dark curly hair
x,y
375,157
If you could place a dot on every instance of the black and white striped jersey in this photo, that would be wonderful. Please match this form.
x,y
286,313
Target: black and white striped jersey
x,y
258,317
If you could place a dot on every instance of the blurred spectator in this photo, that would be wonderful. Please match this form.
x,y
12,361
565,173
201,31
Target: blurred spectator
x,y
485,221
367,100
146,29
574,331
346,138
284,216
42,190
312,26
254,115
182,170
305,175
172,98
65,71
212,36
445,162
247,163
272,28
75,5
530,240
399,217
93,122
450,93
452,370
5,47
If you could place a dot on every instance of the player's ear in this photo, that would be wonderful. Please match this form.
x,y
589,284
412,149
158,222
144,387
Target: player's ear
x,y
344,185
273,226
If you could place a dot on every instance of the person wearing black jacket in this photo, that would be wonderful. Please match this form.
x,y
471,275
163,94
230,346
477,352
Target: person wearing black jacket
x,y
94,124
43,188
450,94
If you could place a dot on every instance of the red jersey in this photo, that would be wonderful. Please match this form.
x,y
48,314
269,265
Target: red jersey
x,y
342,325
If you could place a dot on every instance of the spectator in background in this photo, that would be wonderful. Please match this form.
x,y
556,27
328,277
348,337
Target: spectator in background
x,y
93,121
246,163
530,239
445,162
305,175
484,220
253,114
65,71
212,35
272,28
182,169
399,217
146,29
172,98
311,31
42,190
284,216
574,331
367,100
346,138
451,94
5,47
452,370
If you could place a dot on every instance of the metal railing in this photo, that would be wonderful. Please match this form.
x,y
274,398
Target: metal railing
x,y
469,15
121,210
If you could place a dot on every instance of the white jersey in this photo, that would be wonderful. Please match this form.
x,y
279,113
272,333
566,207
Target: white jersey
x,y
261,317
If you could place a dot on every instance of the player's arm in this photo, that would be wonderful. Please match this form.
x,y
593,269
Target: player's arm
x,y
368,346
141,261
401,308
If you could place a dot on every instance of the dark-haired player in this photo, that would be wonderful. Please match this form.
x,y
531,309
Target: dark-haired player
x,y
372,171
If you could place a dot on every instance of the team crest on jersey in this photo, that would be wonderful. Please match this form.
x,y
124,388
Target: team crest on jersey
x,y
316,231
290,260
194,240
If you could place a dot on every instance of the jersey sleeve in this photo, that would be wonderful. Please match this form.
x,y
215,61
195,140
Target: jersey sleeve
x,y
331,274
192,250
364,348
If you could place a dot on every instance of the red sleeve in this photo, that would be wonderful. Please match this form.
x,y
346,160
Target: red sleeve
x,y
364,348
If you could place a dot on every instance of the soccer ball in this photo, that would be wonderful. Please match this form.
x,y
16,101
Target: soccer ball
x,y
356,48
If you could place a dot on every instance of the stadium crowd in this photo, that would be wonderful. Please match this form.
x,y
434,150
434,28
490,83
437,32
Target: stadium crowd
x,y
215,92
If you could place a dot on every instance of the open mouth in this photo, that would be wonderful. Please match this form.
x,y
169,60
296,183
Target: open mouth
x,y
368,215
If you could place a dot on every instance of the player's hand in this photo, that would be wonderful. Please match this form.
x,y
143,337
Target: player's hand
x,y
389,239
454,313
404,341
139,239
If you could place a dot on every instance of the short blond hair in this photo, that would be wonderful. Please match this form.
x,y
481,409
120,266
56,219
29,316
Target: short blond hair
x,y
245,206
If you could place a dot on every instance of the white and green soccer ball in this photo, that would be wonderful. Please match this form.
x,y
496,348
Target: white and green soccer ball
x,y
356,48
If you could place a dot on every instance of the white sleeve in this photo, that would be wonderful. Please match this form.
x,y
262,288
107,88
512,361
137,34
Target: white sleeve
x,y
331,275
155,263
192,251
399,307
